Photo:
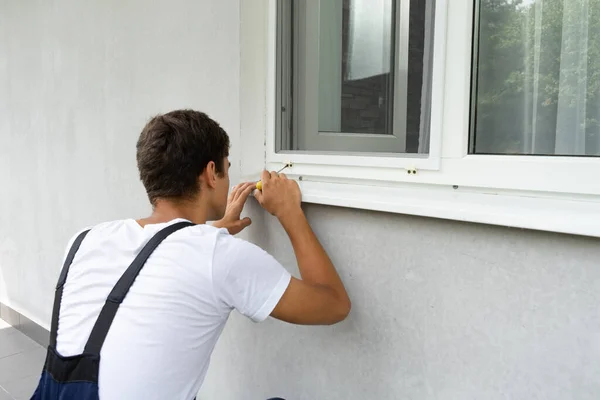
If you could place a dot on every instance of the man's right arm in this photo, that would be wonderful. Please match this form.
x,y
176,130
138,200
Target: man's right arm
x,y
319,298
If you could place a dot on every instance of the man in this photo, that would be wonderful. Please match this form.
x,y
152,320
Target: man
x,y
158,341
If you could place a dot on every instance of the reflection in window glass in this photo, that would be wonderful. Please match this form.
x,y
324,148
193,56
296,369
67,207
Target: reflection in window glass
x,y
537,80
356,66
369,83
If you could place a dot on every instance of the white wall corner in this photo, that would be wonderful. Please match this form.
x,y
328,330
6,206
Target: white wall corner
x,y
253,86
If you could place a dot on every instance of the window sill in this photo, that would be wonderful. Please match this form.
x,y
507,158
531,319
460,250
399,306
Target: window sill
x,y
512,209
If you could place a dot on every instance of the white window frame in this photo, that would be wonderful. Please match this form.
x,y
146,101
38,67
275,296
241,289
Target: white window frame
x,y
322,80
373,162
560,194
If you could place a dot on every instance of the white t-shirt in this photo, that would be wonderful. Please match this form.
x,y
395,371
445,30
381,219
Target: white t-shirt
x,y
162,337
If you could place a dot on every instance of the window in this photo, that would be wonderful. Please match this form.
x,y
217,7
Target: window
x,y
484,111
355,75
537,78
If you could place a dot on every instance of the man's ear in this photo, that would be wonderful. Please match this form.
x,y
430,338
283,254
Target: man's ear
x,y
209,175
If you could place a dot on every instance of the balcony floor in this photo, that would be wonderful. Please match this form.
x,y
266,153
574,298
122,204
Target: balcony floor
x,y
21,362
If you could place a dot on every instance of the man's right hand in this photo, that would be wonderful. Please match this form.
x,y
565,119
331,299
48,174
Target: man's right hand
x,y
320,297
280,196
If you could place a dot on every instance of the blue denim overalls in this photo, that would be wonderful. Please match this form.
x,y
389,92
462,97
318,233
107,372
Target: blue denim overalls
x,y
76,377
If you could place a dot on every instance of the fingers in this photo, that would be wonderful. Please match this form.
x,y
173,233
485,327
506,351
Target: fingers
x,y
240,225
258,195
245,191
235,192
245,222
232,194
238,191
265,176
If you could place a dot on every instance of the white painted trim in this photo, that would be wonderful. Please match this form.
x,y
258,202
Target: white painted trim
x,y
578,217
392,163
438,77
564,176
457,85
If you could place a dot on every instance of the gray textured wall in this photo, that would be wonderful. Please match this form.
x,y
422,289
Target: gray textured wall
x,y
441,310
78,81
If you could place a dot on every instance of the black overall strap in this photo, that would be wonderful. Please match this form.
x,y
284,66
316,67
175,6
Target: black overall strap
x,y
118,293
61,283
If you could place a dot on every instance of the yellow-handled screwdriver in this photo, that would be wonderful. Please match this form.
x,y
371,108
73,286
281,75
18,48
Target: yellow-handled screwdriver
x,y
259,183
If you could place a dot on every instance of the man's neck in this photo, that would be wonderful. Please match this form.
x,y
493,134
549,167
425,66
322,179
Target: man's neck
x,y
166,210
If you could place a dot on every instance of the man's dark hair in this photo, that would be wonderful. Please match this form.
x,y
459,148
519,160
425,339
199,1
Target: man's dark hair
x,y
174,149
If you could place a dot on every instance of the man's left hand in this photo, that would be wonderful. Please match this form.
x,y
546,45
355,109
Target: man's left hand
x,y
235,204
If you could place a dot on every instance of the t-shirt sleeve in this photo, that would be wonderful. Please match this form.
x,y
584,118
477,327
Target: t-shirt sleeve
x,y
247,278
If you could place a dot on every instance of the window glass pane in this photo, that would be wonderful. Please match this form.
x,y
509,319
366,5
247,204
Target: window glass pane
x,y
537,80
360,76
356,66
